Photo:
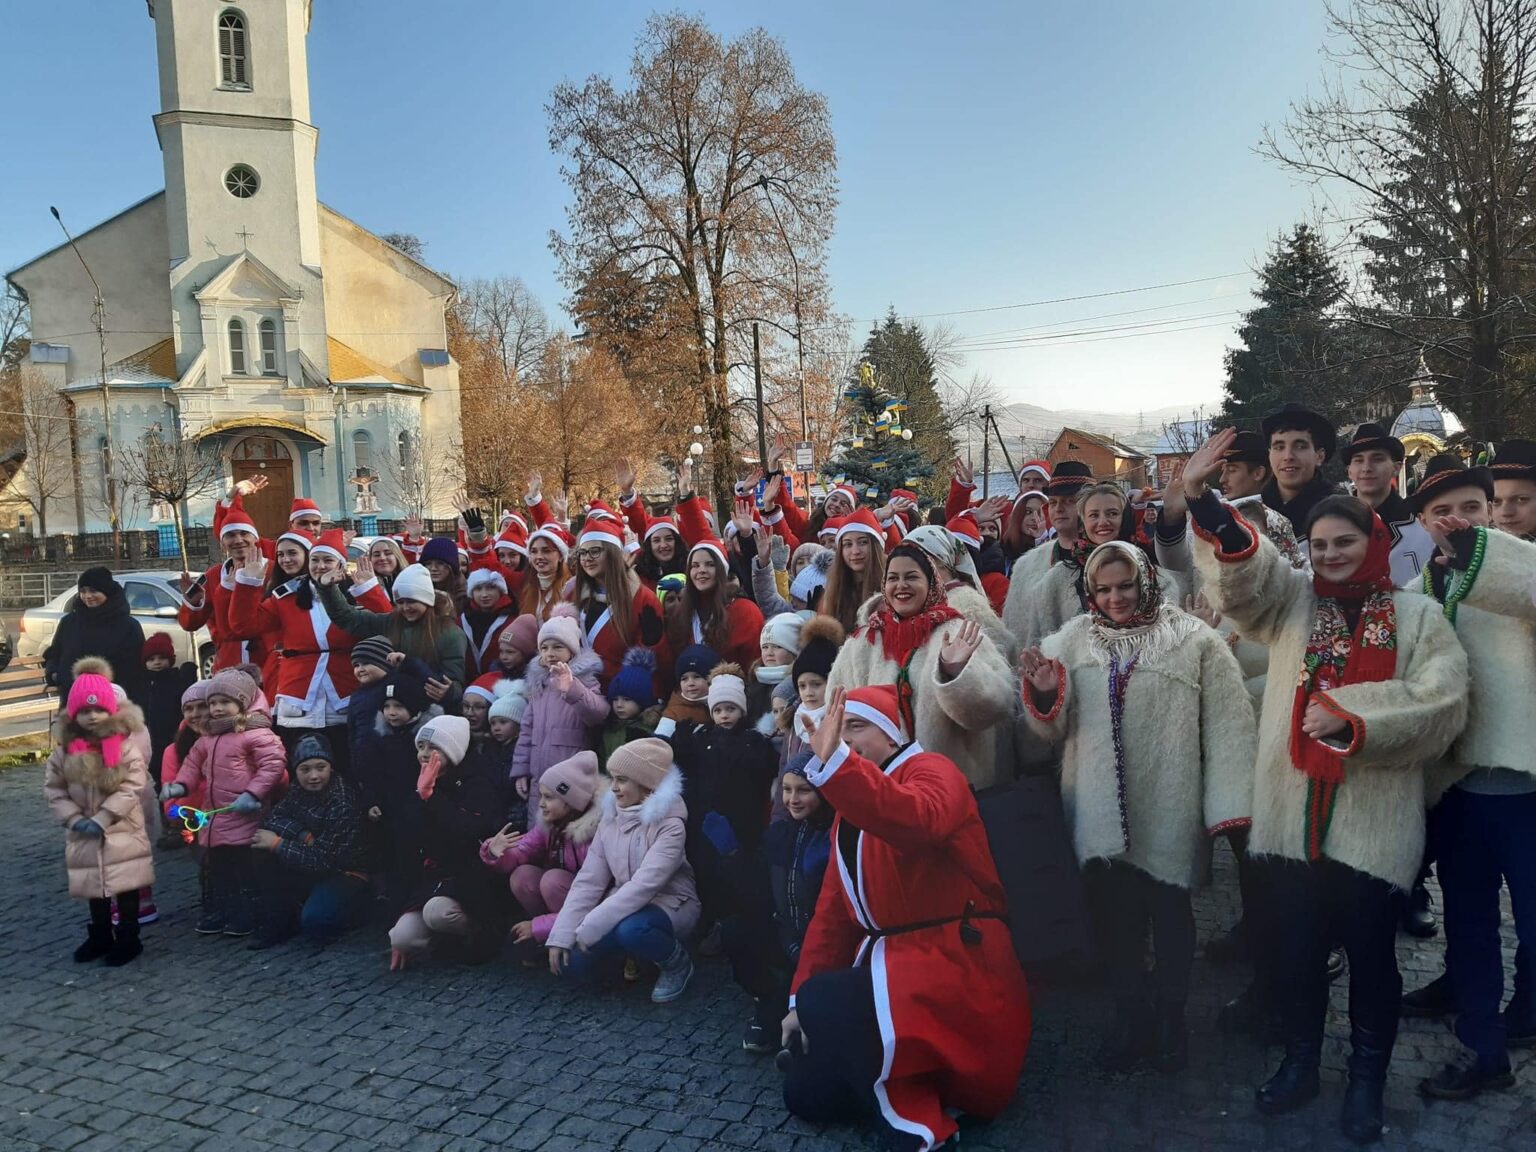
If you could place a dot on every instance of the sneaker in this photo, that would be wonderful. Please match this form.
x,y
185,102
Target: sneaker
x,y
148,913
1464,1078
210,924
757,1039
675,974
240,924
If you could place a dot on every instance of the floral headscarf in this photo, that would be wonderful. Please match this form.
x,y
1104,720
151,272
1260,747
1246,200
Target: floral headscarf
x,y
1156,625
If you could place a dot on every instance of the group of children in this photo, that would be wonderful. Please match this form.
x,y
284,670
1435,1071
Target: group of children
x,y
579,821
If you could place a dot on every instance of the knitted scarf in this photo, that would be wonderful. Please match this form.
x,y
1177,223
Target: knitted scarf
x,y
110,747
1335,657
901,637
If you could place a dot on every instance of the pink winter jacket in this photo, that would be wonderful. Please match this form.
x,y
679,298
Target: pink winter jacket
x,y
557,725
535,848
637,858
230,763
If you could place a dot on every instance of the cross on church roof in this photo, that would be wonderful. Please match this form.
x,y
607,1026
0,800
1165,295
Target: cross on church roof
x,y
245,237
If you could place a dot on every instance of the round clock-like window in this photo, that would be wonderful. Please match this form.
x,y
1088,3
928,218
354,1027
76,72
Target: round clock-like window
x,y
241,182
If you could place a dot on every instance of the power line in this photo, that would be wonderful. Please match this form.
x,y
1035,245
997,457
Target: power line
x,y
1051,337
1074,299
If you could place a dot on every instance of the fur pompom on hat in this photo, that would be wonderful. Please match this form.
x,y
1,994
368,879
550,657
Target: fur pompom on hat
x,y
511,701
783,630
91,666
563,627
442,549
415,583
726,686
820,639
646,761
91,687
574,780
448,734
158,644
812,578
235,685
636,678
696,658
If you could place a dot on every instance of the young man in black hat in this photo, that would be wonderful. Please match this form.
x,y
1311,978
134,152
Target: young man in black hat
x,y
1299,441
1514,488
1483,828
1373,458
1245,474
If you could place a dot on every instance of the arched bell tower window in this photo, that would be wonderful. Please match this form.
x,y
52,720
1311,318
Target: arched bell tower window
x,y
268,333
236,348
234,53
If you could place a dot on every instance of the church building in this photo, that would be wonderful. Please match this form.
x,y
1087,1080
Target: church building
x,y
242,312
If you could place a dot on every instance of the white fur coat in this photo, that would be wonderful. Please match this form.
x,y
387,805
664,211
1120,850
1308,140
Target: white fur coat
x,y
1188,742
1399,726
1042,596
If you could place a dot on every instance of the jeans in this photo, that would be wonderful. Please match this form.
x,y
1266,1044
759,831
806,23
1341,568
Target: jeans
x,y
327,903
1126,902
1481,842
1311,906
646,934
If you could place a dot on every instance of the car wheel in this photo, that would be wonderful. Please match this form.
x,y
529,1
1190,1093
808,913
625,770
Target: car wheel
x,y
205,661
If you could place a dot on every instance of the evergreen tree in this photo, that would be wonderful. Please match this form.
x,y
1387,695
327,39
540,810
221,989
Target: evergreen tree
x,y
1294,345
895,390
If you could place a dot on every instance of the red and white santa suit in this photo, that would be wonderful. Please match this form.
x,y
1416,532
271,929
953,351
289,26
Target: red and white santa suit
x,y
602,527
483,626
314,679
913,894
218,588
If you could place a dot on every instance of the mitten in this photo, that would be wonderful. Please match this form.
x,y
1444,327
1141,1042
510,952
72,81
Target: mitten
x,y
87,828
173,792
780,553
652,626
245,803
718,831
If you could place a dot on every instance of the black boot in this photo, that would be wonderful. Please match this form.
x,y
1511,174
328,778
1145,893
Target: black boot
x,y
1172,1037
99,940
1131,1037
1295,1082
127,945
1434,999
1370,1053
1417,920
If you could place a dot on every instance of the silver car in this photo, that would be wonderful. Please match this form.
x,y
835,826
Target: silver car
x,y
154,598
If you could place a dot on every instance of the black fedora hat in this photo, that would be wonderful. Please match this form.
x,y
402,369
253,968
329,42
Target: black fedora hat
x,y
1445,473
1515,460
1068,478
1297,417
1247,448
1369,436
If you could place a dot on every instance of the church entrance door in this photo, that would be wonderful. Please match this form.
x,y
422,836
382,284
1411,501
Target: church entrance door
x,y
265,456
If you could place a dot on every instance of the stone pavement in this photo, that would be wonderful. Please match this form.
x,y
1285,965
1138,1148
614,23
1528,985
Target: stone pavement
x,y
201,1044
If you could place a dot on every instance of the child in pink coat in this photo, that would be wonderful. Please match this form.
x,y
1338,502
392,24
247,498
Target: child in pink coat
x,y
565,704
241,763
543,863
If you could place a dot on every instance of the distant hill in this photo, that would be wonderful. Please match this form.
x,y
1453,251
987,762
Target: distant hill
x,y
1033,429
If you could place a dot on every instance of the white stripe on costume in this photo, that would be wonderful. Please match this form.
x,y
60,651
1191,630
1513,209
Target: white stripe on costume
x,y
895,1119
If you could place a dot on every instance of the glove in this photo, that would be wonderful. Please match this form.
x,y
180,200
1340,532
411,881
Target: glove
x,y
87,828
780,554
246,804
718,831
652,626
173,792
473,520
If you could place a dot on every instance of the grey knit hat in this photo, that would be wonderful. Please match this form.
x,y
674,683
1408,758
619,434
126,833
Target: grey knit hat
x,y
373,651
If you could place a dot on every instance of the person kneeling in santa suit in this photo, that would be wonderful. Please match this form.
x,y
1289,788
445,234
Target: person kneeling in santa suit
x,y
909,1004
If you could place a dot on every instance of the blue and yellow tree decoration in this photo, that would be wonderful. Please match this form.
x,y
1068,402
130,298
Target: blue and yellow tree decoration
x,y
877,455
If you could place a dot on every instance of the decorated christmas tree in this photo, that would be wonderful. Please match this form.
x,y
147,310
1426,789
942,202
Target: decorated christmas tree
x,y
877,455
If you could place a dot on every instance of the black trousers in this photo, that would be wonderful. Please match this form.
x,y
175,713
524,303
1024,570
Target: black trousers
x,y
231,886
1314,906
758,962
1126,902
127,912
832,1081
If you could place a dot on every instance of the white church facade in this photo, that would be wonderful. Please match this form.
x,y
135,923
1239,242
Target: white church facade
x,y
242,312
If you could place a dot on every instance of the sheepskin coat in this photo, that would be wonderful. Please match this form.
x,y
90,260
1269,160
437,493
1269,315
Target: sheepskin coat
x,y
637,858
1042,596
1188,748
1399,726
975,607
1495,619
79,786
953,718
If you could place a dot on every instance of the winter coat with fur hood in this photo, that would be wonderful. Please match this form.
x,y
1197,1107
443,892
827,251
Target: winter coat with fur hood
x,y
1399,725
954,718
558,725
638,858
229,763
1188,747
79,786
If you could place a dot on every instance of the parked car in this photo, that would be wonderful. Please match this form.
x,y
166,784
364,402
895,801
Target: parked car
x,y
153,597
7,645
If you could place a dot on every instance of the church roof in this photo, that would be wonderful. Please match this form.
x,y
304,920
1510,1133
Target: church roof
x,y
152,367
349,366
82,235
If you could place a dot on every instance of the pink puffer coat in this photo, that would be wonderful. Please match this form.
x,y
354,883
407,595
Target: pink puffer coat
x,y
79,786
557,725
230,763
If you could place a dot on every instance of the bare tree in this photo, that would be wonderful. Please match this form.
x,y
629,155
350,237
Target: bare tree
x,y
714,171
507,318
48,469
170,472
418,469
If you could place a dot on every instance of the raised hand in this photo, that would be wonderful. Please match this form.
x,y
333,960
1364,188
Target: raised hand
x,y
779,549
560,678
958,648
992,511
503,840
347,535
1042,674
253,484
624,475
1175,503
826,736
1440,530
1205,463
363,569
414,527
1199,607
559,504
741,517
765,549
535,487
964,473
255,565
685,476
772,490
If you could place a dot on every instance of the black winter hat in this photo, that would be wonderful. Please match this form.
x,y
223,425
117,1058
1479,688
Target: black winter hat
x,y
1068,478
1515,460
375,651
406,690
1247,448
99,579
313,746
1369,436
820,638
1299,418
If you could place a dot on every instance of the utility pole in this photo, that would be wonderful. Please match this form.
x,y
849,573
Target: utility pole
x,y
986,449
107,461
757,376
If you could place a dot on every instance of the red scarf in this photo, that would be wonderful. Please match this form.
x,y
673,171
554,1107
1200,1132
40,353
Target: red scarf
x,y
900,636
1334,657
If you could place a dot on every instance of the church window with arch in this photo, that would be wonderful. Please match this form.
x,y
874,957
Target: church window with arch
x,y
234,58
268,333
236,348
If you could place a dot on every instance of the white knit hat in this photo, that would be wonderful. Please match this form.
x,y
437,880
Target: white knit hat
x,y
448,734
727,687
783,630
486,576
414,583
511,701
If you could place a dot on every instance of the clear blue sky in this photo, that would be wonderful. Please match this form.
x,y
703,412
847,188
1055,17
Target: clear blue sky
x,y
989,153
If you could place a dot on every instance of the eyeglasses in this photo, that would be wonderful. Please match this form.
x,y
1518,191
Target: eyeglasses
x,y
593,553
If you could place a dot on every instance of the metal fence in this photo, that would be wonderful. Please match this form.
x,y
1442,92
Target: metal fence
x,y
137,549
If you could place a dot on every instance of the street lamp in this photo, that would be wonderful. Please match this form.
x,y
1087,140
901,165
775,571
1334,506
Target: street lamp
x,y
695,449
794,262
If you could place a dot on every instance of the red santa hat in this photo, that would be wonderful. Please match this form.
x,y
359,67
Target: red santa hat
x,y
556,535
862,520
305,540
602,527
510,517
332,543
237,521
878,704
486,576
485,687
661,524
302,506
711,544
965,529
847,490
830,526
511,538
1040,468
